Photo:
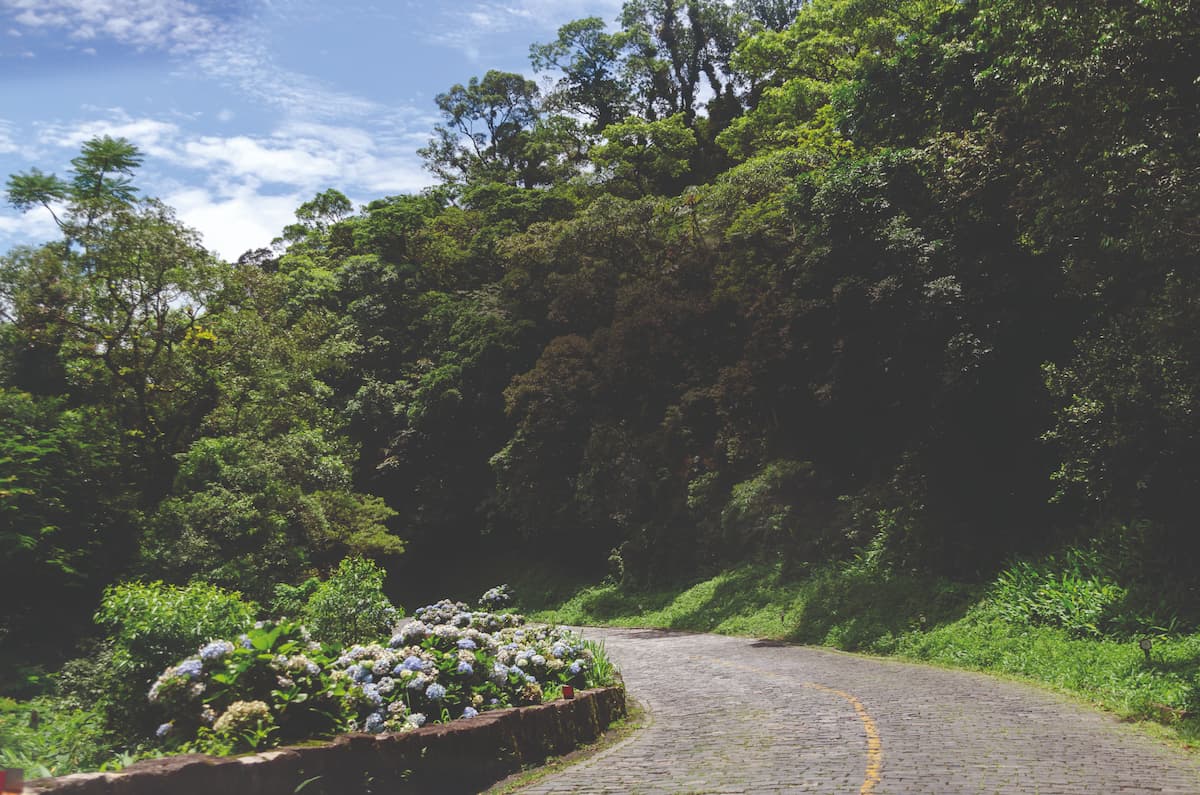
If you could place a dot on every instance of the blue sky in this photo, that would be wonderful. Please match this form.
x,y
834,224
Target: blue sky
x,y
246,108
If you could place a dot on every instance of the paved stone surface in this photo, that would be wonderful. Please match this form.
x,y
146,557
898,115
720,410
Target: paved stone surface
x,y
732,715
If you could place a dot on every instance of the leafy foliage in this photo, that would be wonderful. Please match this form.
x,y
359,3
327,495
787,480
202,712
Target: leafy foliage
x,y
350,606
276,684
902,286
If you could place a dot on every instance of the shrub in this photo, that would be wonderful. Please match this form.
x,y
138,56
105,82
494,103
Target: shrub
x,y
272,683
64,739
1074,593
275,684
289,600
149,625
350,606
152,624
496,598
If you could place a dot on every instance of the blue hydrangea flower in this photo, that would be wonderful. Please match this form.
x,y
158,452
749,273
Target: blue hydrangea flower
x,y
467,643
245,642
359,673
413,663
190,668
374,723
470,712
372,693
416,719
435,692
559,649
214,651
164,730
465,668
575,668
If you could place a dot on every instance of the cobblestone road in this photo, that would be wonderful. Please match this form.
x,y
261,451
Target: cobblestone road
x,y
732,715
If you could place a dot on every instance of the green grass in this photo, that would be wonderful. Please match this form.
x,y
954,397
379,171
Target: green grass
x,y
915,618
617,732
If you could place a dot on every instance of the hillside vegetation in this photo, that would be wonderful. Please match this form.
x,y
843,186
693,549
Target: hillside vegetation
x,y
768,287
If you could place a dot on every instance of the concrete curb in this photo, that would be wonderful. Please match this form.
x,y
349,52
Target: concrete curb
x,y
459,757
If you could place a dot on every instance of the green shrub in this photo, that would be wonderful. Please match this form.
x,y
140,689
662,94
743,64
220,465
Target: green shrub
x,y
148,626
1073,592
58,741
350,607
290,600
152,624
275,684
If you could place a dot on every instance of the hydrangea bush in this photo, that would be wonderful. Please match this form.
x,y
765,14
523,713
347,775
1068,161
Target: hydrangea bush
x,y
275,684
496,598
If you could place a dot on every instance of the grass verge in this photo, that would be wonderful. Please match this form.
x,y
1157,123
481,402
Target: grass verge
x,y
916,618
618,732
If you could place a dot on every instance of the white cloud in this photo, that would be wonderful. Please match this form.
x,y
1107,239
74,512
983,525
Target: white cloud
x,y
239,191
27,227
155,138
155,24
228,49
231,225
245,157
466,29
7,145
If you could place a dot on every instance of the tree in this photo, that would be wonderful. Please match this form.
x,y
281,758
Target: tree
x,y
792,74
117,320
487,134
589,59
641,157
100,182
671,46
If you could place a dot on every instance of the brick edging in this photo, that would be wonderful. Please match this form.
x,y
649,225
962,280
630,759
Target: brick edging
x,y
462,756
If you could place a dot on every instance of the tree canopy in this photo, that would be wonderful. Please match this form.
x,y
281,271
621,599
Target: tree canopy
x,y
758,279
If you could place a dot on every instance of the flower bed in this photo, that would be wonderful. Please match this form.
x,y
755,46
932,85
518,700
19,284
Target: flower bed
x,y
463,756
275,684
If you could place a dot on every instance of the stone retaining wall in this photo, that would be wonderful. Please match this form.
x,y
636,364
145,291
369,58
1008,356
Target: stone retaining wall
x,y
459,757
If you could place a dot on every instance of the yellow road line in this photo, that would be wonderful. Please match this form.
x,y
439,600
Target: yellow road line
x,y
874,743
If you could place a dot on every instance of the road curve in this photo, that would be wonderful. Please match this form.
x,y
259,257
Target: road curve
x,y
734,715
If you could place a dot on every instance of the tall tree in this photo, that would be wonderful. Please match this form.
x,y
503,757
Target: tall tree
x,y
672,46
589,61
487,134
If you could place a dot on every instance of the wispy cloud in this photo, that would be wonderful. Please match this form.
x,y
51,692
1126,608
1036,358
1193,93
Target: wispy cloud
x,y
243,59
173,25
7,145
28,226
155,138
466,28
240,190
230,47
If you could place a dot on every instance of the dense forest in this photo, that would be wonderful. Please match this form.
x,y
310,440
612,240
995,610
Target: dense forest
x,y
763,280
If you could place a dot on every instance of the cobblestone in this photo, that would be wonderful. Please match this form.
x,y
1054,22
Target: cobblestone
x,y
729,715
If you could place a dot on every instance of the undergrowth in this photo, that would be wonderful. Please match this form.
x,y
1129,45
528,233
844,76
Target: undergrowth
x,y
1064,622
